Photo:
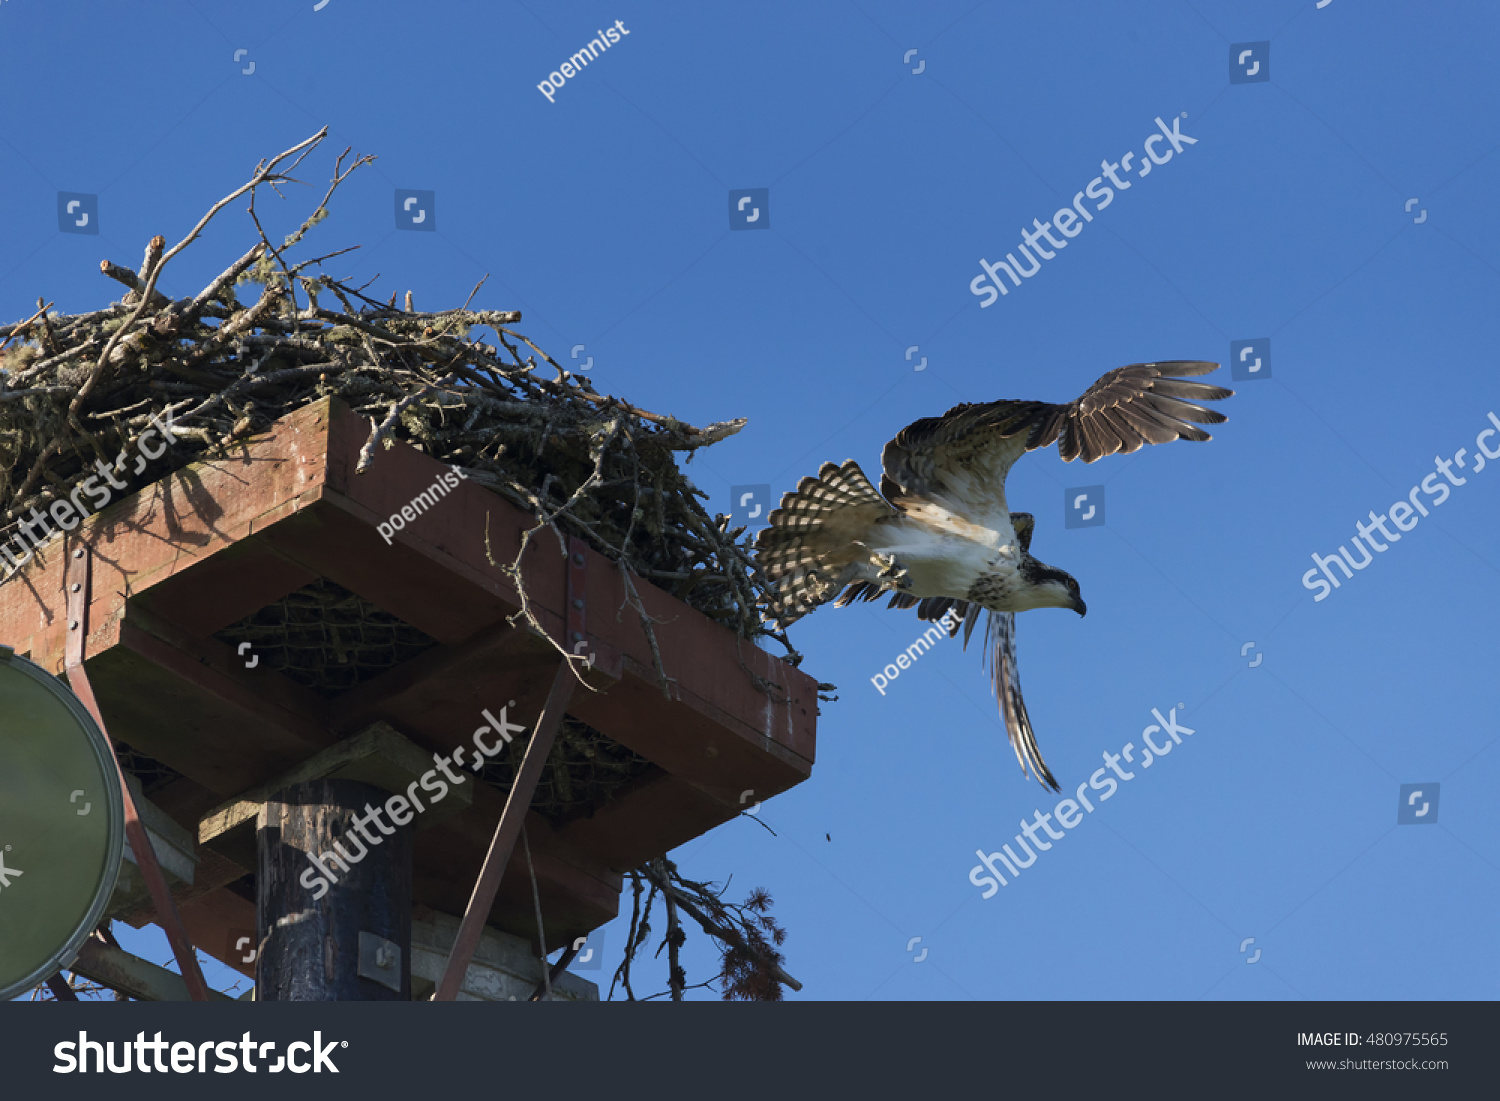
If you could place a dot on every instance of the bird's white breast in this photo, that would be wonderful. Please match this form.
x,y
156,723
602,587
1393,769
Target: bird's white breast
x,y
950,560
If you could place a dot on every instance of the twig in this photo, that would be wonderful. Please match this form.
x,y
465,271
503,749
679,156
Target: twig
x,y
263,174
131,280
676,976
225,278
367,452
22,327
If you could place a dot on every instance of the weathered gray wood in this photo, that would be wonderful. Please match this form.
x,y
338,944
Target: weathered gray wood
x,y
379,754
175,852
309,929
131,975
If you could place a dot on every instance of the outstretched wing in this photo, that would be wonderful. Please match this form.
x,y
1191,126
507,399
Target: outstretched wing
x,y
1129,407
958,462
955,465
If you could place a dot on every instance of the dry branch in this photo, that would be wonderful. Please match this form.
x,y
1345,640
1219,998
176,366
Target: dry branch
x,y
749,938
75,389
80,390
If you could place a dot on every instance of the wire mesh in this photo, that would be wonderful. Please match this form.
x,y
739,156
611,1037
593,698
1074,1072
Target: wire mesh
x,y
152,774
327,638
330,640
583,772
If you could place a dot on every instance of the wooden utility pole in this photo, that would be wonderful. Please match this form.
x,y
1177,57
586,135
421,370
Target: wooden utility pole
x,y
334,896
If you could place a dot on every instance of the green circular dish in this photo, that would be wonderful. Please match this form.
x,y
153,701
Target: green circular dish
x,y
62,824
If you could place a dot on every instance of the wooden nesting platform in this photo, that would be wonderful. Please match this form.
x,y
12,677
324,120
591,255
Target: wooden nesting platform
x,y
275,552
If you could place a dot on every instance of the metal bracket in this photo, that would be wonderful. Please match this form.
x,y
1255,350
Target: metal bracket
x,y
577,597
76,577
380,961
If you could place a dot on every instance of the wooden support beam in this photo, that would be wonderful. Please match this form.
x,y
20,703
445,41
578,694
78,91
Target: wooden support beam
x,y
132,976
379,755
60,988
344,940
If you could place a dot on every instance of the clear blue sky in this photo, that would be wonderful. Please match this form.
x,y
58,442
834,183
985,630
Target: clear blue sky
x,y
604,217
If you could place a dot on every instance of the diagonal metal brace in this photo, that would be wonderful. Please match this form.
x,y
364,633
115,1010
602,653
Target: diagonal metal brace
x,y
503,844
77,580
522,789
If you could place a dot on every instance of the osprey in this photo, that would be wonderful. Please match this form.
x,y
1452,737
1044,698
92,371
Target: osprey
x,y
939,534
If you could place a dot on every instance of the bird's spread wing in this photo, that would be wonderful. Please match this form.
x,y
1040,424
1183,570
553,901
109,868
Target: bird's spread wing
x,y
1131,406
958,462
949,472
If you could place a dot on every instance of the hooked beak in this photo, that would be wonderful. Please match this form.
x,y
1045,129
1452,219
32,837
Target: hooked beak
x,y
1080,607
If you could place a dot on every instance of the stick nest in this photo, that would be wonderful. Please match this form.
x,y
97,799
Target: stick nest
x,y
271,334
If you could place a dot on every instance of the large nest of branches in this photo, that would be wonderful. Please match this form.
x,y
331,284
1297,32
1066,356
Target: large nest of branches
x,y
274,332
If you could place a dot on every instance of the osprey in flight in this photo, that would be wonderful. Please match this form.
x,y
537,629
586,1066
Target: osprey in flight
x,y
939,534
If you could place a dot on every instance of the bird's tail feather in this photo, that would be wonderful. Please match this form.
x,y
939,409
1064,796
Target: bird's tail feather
x,y
811,548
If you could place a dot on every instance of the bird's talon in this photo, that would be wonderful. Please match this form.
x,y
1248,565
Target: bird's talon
x,y
894,574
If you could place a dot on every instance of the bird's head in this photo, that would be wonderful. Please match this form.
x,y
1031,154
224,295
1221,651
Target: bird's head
x,y
1051,588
